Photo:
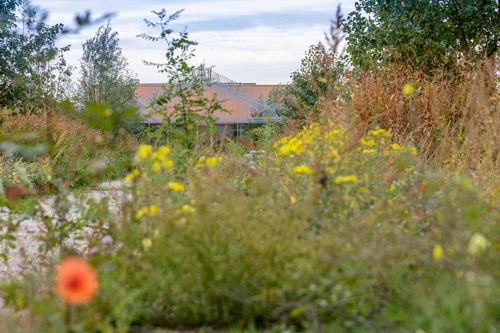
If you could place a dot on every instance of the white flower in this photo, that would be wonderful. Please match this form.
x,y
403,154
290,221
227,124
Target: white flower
x,y
477,244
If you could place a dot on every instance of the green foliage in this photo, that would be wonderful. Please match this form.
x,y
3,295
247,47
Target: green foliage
x,y
262,135
64,147
185,88
33,72
103,117
346,244
105,78
422,34
324,231
311,83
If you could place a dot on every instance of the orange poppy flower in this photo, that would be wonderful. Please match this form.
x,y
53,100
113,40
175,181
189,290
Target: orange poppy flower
x,y
76,281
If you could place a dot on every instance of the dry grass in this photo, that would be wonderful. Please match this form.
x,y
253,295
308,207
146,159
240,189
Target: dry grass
x,y
73,148
455,123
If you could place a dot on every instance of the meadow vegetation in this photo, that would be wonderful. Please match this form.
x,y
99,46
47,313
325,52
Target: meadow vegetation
x,y
373,206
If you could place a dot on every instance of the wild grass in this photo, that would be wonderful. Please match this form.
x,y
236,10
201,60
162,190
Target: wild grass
x,y
71,150
453,121
384,217
325,232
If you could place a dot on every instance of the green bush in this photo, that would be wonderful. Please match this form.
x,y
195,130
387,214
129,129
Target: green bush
x,y
327,233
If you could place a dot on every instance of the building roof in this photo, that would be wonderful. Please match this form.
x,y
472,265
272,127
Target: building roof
x,y
246,102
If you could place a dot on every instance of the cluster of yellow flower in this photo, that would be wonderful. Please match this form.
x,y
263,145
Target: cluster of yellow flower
x,y
143,152
158,160
303,170
161,160
314,143
289,146
346,179
132,176
373,140
208,162
150,211
377,139
176,187
311,136
324,145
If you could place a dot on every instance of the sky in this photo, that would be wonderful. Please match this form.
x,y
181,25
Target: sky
x,y
259,41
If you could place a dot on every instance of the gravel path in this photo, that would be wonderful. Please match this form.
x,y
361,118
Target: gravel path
x,y
23,258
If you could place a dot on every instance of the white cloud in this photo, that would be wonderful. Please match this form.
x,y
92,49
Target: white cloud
x,y
262,54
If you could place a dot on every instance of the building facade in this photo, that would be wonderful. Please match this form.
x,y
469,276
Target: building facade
x,y
243,104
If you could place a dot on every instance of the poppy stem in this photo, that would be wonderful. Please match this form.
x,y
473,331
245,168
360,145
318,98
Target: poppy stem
x,y
67,318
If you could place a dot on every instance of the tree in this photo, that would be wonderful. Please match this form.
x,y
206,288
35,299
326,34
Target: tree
x,y
425,34
185,85
105,77
311,80
32,68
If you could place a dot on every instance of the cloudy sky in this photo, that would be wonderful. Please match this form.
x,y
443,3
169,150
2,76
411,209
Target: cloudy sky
x,y
258,41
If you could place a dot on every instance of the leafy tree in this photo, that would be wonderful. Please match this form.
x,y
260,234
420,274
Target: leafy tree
x,y
32,69
185,86
312,79
311,82
105,77
422,33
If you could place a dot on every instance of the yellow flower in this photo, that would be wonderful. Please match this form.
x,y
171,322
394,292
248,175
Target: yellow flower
x,y
293,145
187,209
161,160
477,244
293,200
163,150
201,162
146,211
335,137
302,170
437,252
158,156
346,179
176,186
367,142
395,146
212,161
156,166
379,132
407,89
147,243
369,151
334,153
284,150
296,146
143,152
153,210
208,162
132,176
167,164
140,213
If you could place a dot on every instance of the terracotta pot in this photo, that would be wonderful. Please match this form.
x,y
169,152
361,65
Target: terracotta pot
x,y
17,192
